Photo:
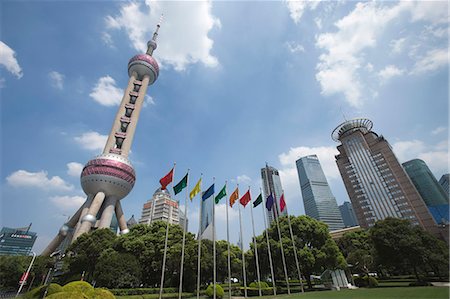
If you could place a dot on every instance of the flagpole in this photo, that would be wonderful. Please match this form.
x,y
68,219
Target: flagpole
x,y
295,253
256,251
180,290
199,239
228,242
242,249
268,249
165,244
281,245
214,238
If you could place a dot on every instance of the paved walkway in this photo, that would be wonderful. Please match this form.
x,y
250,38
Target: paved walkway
x,y
441,284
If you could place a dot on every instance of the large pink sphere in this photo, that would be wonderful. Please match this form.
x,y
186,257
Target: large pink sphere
x,y
144,65
109,173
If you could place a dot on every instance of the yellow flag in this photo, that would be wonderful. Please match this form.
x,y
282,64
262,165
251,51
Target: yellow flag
x,y
196,189
234,196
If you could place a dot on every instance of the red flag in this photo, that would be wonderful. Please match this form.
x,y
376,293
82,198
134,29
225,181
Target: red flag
x,y
282,203
245,199
166,180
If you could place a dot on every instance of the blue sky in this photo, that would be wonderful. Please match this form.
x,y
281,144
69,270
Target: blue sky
x,y
241,84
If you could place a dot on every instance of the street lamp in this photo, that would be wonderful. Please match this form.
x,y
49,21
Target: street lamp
x,y
52,270
25,276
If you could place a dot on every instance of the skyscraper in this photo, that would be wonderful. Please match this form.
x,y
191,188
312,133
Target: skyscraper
x,y
161,207
348,214
431,191
109,177
376,183
272,185
318,199
16,241
206,227
444,182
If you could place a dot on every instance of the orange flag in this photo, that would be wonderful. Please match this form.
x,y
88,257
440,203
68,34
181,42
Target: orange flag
x,y
234,196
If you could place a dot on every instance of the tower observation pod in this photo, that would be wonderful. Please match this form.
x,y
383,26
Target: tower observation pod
x,y
109,177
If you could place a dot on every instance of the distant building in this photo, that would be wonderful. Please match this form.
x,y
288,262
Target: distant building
x,y
348,214
444,181
376,183
131,222
272,185
318,199
206,229
182,219
337,234
160,207
431,191
16,241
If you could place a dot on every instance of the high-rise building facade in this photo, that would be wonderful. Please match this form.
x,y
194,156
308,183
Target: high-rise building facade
x,y
444,182
16,241
206,227
376,183
109,177
431,191
348,214
161,207
318,199
272,185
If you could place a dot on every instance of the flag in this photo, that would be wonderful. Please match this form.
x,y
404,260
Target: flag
x,y
181,185
269,202
282,203
258,201
196,189
245,199
234,196
208,193
166,180
221,194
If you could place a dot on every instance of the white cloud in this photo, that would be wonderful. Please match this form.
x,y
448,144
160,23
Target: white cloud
x,y
107,39
193,19
57,80
293,47
74,169
397,45
23,178
318,22
431,61
91,140
9,61
68,203
297,8
389,72
436,156
438,130
435,12
148,101
244,181
106,93
221,214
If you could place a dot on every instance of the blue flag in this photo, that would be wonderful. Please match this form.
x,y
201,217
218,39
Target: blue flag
x,y
208,192
269,202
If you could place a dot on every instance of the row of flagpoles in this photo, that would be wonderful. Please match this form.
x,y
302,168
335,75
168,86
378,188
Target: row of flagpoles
x,y
231,200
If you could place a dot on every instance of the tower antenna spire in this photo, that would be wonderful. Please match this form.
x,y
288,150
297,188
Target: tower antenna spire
x,y
151,45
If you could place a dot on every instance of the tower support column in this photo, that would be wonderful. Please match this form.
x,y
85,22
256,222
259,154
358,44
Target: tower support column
x,y
90,218
121,218
107,213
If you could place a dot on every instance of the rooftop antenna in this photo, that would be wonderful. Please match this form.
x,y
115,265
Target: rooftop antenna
x,y
343,115
151,45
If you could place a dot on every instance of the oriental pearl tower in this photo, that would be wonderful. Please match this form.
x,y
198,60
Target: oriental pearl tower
x,y
110,176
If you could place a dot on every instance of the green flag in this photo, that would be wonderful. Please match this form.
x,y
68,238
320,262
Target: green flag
x,y
181,185
257,201
221,194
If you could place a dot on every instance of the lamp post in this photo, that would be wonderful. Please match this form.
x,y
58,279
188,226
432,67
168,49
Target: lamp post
x,y
52,270
25,275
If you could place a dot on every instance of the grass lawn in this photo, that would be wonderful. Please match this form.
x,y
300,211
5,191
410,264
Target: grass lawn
x,y
375,293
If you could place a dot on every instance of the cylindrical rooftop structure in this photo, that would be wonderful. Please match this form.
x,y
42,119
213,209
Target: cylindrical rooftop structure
x,y
350,126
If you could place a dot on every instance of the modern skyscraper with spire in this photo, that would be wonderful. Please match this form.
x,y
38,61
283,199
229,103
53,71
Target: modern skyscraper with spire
x,y
272,185
318,199
109,177
376,183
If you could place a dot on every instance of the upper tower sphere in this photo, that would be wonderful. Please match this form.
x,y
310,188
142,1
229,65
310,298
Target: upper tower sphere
x,y
144,65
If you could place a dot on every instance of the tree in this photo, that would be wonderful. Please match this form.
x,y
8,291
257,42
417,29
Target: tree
x,y
11,269
357,250
400,244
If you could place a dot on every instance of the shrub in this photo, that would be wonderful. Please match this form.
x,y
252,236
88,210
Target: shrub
x,y
68,295
255,284
210,291
360,282
141,291
78,286
39,291
372,282
420,283
101,294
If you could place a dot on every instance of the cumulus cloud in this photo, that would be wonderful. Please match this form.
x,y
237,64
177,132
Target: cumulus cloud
x,y
397,45
9,61
431,61
106,93
389,72
74,169
40,180
193,19
57,80
244,180
438,130
221,214
297,8
91,140
67,203
436,156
